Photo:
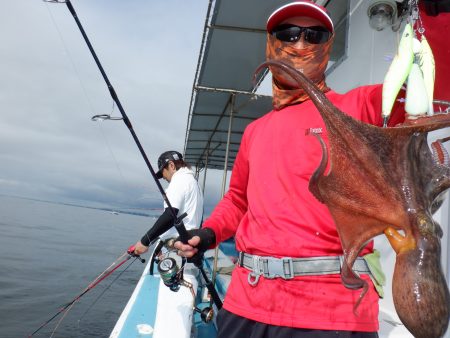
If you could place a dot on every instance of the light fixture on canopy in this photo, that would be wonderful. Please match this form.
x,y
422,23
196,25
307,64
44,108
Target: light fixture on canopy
x,y
382,14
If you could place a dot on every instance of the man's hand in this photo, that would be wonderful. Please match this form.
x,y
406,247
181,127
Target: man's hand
x,y
187,250
140,248
201,240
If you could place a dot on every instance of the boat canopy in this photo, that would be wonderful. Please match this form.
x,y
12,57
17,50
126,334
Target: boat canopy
x,y
223,100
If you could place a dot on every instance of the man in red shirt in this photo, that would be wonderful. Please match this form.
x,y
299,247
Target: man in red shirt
x,y
287,281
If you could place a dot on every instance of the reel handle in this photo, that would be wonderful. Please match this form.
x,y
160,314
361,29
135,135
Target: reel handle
x,y
206,314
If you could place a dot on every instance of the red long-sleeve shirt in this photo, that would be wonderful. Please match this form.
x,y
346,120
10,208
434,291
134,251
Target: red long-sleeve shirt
x,y
271,212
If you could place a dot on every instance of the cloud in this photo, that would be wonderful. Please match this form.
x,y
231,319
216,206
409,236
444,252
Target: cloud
x,y
50,87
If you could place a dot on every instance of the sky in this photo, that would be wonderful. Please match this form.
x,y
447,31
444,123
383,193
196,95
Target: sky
x,y
50,88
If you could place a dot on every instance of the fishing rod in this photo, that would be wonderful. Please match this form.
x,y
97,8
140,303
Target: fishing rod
x,y
178,221
113,267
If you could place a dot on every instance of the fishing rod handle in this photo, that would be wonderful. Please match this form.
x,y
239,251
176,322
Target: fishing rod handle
x,y
130,251
179,225
212,290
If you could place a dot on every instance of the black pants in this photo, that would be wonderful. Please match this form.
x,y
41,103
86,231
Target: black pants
x,y
233,326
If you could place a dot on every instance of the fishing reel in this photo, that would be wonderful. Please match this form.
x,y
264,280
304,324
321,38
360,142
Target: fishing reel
x,y
171,274
172,277
206,314
170,269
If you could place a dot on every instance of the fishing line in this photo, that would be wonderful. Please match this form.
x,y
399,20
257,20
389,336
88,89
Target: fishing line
x,y
61,319
113,267
178,221
101,294
355,8
69,55
105,139
108,268
86,96
104,291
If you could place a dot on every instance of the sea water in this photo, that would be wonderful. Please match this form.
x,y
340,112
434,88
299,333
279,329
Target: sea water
x,y
49,253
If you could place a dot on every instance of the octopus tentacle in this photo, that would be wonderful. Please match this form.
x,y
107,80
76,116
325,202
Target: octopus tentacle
x,y
313,186
384,180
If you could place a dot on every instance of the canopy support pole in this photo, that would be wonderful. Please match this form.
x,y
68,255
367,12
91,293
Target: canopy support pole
x,y
224,179
204,174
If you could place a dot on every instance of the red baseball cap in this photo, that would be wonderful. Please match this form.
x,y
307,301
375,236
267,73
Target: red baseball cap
x,y
300,8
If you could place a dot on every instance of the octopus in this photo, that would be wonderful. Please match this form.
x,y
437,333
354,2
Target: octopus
x,y
386,181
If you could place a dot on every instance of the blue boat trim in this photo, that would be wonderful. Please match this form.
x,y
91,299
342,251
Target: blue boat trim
x,y
141,308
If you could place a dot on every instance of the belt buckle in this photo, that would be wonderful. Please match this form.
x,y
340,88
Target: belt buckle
x,y
276,267
257,270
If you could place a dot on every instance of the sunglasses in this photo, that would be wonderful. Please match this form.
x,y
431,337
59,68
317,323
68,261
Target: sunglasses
x,y
293,33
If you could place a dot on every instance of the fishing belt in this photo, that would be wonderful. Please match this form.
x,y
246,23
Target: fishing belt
x,y
288,268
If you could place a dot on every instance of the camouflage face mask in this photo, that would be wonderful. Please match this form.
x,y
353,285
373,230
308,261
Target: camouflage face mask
x,y
311,60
